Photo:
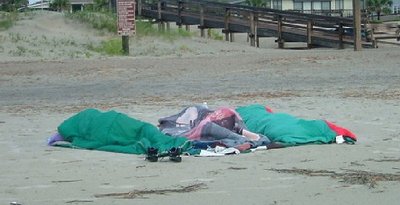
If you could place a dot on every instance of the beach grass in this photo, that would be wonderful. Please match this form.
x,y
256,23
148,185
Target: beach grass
x,y
111,47
7,20
108,21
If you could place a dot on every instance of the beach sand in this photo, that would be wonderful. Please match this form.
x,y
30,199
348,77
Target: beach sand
x,y
41,88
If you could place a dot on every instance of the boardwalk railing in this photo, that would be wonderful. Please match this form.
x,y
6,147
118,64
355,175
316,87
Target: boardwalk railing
x,y
287,26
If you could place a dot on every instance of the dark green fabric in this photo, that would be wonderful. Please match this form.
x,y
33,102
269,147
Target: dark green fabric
x,y
284,128
116,132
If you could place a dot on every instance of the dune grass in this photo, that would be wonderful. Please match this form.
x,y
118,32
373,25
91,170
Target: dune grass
x,y
111,47
98,20
7,20
107,21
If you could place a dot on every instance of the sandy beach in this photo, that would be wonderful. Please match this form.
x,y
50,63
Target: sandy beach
x,y
44,83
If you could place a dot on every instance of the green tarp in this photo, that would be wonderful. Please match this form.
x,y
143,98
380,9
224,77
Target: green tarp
x,y
284,128
116,132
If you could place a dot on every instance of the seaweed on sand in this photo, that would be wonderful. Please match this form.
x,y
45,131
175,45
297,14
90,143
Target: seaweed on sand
x,y
139,193
348,176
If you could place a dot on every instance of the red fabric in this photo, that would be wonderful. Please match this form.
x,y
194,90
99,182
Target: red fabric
x,y
341,131
268,109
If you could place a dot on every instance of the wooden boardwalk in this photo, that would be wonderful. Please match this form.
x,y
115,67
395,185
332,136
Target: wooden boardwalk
x,y
286,26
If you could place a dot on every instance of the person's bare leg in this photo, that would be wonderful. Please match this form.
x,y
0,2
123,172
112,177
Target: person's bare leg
x,y
250,135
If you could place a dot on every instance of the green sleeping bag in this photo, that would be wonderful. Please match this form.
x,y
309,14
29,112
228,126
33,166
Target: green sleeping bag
x,y
116,132
285,128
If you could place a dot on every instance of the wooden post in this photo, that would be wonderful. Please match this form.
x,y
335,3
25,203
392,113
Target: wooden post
x,y
280,30
231,36
255,31
309,33
341,45
374,43
180,8
226,23
258,42
202,20
159,17
252,30
139,7
187,27
357,25
125,45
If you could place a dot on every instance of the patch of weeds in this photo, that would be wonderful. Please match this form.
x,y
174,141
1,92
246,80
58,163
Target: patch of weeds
x,y
35,53
7,20
146,28
73,54
65,42
174,34
19,52
98,20
16,37
214,35
109,47
184,48
88,54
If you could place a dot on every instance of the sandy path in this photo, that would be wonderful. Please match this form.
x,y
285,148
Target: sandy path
x,y
359,90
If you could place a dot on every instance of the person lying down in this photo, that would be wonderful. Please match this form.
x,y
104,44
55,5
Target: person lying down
x,y
206,127
195,128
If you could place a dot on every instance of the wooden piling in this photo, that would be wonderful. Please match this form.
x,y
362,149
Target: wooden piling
x,y
258,42
125,45
341,32
226,23
357,25
280,30
139,7
309,33
159,16
202,34
180,8
252,30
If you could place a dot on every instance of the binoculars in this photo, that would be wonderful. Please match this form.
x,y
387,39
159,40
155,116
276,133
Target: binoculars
x,y
174,154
